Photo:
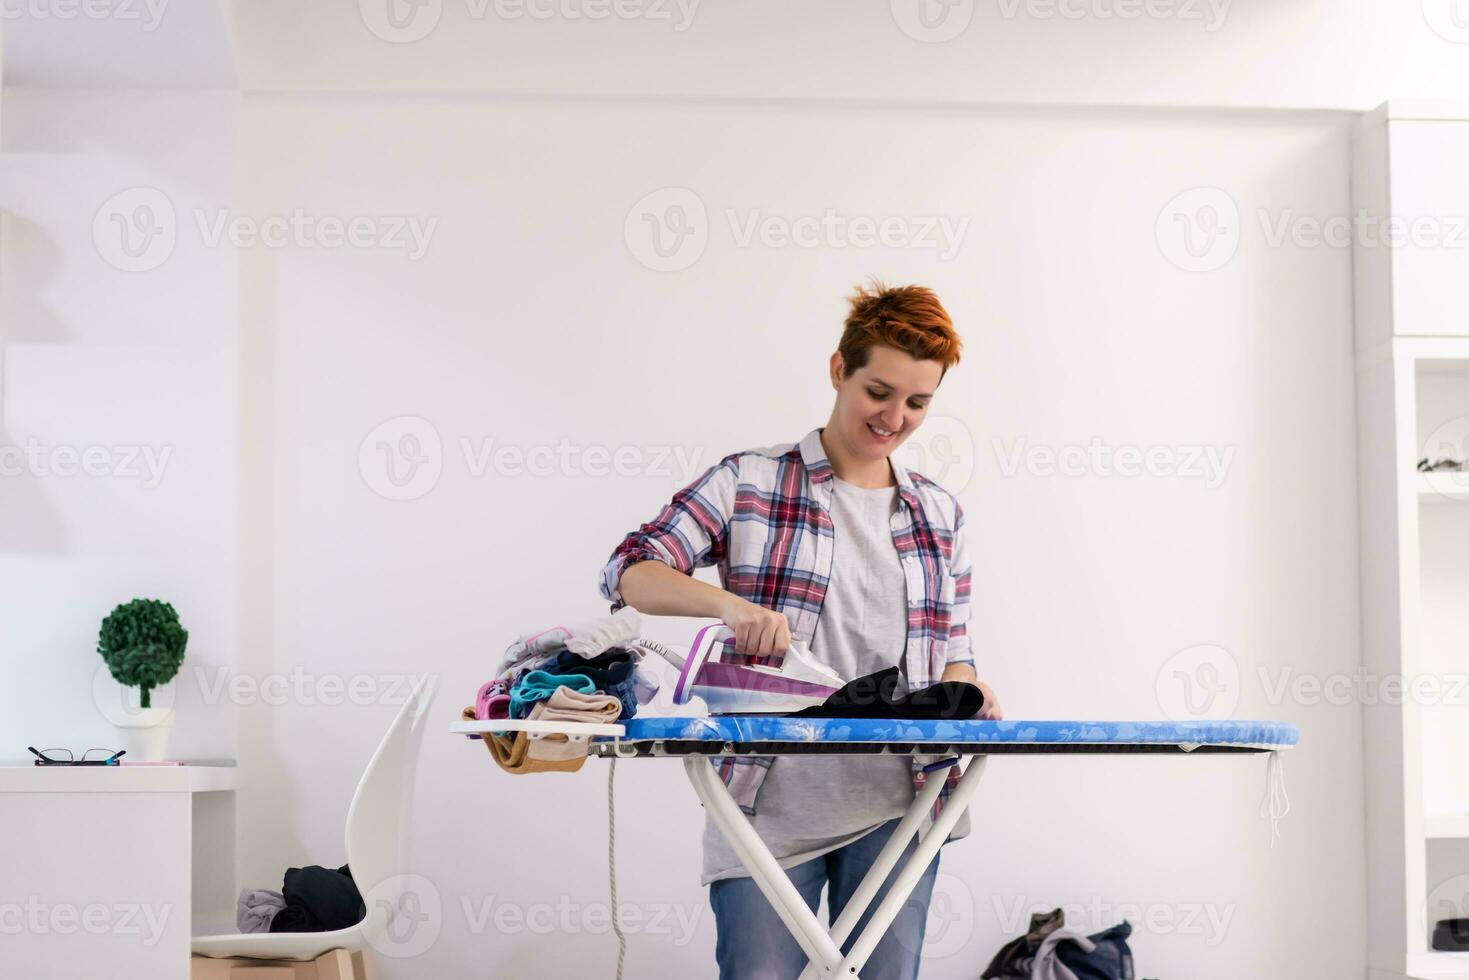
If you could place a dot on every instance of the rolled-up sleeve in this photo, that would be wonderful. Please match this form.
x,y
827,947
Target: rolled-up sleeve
x,y
959,650
691,531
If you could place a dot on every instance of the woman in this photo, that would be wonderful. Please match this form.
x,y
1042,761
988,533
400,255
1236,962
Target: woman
x,y
834,543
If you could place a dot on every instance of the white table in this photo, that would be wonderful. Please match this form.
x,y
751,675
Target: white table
x,y
107,870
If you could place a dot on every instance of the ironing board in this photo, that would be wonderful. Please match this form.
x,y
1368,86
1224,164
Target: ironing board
x,y
695,740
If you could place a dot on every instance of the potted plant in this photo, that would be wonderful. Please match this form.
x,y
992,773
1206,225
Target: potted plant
x,y
142,644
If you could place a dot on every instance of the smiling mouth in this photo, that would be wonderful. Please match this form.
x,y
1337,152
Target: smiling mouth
x,y
882,434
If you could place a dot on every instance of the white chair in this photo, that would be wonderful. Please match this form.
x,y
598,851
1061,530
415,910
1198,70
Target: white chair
x,y
375,842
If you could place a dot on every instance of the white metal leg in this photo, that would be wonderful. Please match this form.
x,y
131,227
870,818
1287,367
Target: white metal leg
x,y
909,874
823,948
886,858
769,876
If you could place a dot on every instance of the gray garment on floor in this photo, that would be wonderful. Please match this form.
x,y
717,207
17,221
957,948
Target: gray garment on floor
x,y
1048,965
810,805
256,908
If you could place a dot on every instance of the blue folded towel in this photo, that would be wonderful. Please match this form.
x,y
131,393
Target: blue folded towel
x,y
537,685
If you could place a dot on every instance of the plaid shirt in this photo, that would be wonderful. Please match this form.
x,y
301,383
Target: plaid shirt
x,y
764,518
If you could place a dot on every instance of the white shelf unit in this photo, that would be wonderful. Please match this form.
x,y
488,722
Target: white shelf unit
x,y
1412,344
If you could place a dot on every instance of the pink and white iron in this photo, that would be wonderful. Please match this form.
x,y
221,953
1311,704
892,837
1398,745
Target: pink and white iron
x,y
737,689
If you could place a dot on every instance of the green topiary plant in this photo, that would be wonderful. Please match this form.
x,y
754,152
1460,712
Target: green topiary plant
x,y
143,644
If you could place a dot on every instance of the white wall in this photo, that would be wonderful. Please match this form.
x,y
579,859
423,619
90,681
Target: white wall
x,y
530,320
137,366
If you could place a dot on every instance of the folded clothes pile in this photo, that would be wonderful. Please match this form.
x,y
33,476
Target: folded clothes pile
x,y
590,674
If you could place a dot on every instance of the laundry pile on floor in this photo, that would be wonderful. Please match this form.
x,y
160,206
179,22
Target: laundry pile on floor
x,y
1052,950
590,673
311,899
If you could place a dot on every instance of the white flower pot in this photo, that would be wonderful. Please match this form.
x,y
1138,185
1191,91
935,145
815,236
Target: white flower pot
x,y
143,733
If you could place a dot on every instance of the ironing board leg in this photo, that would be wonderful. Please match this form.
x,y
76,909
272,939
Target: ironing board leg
x,y
769,876
909,874
886,858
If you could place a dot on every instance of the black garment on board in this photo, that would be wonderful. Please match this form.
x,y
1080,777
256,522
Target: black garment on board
x,y
318,900
884,695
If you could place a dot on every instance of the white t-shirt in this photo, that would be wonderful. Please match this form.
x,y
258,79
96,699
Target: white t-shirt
x,y
809,805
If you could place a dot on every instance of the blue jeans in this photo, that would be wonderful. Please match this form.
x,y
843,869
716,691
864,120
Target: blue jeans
x,y
753,944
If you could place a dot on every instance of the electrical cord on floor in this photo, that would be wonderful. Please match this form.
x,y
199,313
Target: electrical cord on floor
x,y
612,865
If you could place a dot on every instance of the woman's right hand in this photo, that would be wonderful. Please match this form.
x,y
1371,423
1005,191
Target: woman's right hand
x,y
758,631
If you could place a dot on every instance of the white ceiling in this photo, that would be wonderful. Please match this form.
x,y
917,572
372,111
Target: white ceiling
x,y
1250,54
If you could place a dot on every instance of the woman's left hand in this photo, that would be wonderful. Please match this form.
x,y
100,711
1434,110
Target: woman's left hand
x,y
991,710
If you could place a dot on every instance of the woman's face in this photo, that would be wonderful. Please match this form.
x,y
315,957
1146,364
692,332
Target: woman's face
x,y
883,402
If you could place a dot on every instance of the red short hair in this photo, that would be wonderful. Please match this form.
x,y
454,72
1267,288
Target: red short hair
x,y
910,318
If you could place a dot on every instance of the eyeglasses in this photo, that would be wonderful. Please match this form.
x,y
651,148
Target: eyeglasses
x,y
63,757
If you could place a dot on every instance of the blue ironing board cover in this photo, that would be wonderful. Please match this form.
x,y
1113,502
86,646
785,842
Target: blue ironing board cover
x,y
766,728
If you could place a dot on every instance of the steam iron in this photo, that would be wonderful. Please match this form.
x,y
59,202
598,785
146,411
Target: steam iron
x,y
738,689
